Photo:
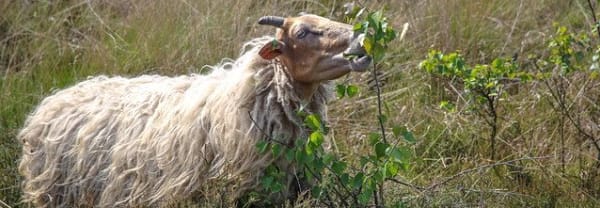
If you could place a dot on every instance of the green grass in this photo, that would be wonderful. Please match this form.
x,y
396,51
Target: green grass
x,y
48,45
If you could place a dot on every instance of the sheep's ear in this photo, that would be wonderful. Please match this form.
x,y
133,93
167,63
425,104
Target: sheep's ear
x,y
271,49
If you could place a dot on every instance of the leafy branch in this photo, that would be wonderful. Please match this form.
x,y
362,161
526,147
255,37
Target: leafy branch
x,y
483,84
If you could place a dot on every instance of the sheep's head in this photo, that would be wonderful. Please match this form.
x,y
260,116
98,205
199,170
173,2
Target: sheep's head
x,y
314,48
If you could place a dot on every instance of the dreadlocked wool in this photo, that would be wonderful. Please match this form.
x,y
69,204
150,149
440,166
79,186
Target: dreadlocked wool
x,y
155,140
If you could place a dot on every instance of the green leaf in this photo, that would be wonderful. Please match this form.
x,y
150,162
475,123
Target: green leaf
x,y
379,33
357,181
318,165
316,138
364,160
378,52
301,156
365,28
391,169
262,146
374,138
397,130
345,179
594,75
447,106
275,149
272,170
276,187
368,45
378,175
289,154
399,154
316,191
299,143
394,154
340,89
404,166
313,122
328,158
402,130
369,184
309,149
400,204
380,149
351,90
390,34
309,158
358,27
300,112
364,197
309,176
338,167
267,182
375,17
408,136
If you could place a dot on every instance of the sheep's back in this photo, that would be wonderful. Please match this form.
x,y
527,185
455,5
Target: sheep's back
x,y
101,134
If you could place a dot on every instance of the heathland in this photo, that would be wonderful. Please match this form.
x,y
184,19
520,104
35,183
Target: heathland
x,y
526,134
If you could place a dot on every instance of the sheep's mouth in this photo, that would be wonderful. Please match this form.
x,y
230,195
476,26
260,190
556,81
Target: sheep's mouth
x,y
354,54
357,55
359,62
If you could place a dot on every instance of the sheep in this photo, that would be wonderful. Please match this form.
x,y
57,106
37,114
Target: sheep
x,y
156,141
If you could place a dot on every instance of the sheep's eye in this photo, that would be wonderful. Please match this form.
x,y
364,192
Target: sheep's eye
x,y
301,33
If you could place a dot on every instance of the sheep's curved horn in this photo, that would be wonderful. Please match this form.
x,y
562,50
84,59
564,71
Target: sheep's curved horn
x,y
271,20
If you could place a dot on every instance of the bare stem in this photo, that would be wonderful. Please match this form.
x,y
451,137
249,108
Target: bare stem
x,y
336,191
491,101
270,139
594,17
415,187
433,186
379,102
381,126
376,198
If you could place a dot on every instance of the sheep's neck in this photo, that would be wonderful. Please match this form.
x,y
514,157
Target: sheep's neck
x,y
305,90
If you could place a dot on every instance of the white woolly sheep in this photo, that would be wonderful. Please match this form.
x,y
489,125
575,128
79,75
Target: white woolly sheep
x,y
155,141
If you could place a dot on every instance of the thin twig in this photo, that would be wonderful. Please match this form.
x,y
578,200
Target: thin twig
x,y
381,125
492,105
465,172
270,139
512,28
564,110
336,191
561,106
594,17
379,102
4,205
418,188
376,198
339,179
111,32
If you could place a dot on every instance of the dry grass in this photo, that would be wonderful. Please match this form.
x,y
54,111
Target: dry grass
x,y
47,45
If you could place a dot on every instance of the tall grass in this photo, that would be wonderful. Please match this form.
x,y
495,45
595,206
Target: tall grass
x,y
48,45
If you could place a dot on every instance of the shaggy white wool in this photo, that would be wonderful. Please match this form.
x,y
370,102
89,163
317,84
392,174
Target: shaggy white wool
x,y
154,140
